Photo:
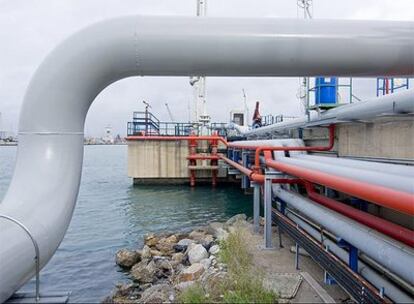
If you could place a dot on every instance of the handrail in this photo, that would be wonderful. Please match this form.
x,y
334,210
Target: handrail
x,y
37,252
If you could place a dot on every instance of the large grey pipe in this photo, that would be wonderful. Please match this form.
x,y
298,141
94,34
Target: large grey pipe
x,y
45,183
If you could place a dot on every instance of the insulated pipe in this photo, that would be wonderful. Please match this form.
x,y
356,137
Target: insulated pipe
x,y
400,170
390,290
392,181
386,197
391,104
45,184
393,230
394,256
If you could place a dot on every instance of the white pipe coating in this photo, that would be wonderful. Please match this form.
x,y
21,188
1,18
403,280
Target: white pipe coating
x,y
45,184
393,255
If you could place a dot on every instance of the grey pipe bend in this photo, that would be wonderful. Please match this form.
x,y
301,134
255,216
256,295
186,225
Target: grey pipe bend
x,y
45,184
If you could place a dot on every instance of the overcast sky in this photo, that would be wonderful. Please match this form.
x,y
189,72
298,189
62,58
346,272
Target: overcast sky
x,y
29,29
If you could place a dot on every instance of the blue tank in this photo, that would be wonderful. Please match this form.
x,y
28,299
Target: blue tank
x,y
326,89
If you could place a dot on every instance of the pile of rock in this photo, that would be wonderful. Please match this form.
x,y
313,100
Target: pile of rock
x,y
170,263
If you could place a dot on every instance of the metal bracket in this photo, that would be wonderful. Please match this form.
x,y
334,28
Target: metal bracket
x,y
37,252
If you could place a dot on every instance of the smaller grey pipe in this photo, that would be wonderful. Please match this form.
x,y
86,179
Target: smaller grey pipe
x,y
392,291
400,170
393,255
396,103
396,182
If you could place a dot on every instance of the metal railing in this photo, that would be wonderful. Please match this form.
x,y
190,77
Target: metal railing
x,y
37,252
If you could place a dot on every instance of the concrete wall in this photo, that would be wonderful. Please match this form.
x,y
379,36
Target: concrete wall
x,y
157,159
382,138
164,162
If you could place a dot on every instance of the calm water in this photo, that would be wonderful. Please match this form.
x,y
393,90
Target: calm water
x,y
112,214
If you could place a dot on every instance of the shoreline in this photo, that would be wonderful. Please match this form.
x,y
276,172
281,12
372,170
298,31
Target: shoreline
x,y
222,262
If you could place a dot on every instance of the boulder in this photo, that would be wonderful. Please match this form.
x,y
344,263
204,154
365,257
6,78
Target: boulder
x,y
146,253
197,253
191,273
165,246
213,227
206,263
155,252
160,293
182,245
177,258
124,290
151,240
235,219
207,241
144,272
211,279
222,234
127,258
214,249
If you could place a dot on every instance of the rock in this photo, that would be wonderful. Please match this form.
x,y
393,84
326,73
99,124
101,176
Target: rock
x,y
236,218
185,242
127,258
197,253
197,235
182,245
146,253
155,252
166,246
177,258
184,285
207,241
261,221
144,272
206,263
214,249
211,279
222,234
124,290
172,239
213,227
150,240
161,293
191,273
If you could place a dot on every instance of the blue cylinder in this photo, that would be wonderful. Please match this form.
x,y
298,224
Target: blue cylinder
x,y
326,89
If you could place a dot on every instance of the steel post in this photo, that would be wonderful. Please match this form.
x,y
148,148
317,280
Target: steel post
x,y
268,211
256,207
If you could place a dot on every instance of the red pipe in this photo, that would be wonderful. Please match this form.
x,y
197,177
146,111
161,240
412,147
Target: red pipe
x,y
393,230
389,198
172,138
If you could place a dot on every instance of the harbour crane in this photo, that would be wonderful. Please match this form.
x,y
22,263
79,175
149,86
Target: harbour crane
x,y
169,112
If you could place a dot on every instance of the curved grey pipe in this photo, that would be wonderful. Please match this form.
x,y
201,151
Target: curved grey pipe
x,y
45,183
393,255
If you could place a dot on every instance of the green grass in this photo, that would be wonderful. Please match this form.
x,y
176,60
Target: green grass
x,y
194,294
243,284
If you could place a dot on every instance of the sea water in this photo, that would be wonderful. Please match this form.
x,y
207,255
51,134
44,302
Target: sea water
x,y
112,214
